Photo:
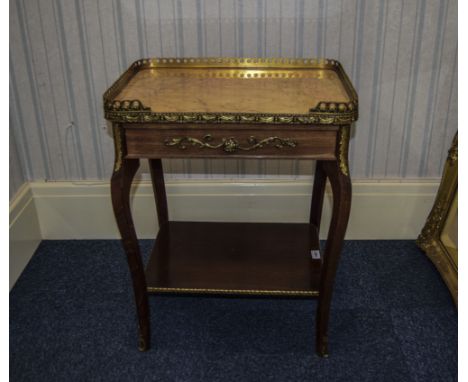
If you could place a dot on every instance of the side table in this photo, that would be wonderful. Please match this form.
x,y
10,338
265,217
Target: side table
x,y
233,108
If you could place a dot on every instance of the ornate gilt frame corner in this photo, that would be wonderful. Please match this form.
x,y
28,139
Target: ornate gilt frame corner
x,y
429,239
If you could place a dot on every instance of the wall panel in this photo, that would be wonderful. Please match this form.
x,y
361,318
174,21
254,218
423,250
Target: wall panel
x,y
401,55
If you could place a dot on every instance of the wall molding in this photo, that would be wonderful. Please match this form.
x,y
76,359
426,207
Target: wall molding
x,y
380,210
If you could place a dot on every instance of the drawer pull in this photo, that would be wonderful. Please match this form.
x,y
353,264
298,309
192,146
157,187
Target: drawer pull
x,y
230,144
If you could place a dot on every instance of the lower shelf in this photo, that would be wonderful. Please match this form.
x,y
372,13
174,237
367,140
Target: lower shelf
x,y
235,258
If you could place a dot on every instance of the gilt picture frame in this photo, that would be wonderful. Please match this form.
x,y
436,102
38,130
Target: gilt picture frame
x,y
442,219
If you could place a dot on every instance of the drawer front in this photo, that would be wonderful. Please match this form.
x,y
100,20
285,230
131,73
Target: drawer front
x,y
215,143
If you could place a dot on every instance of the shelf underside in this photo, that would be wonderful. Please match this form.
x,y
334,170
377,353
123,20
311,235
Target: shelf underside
x,y
235,258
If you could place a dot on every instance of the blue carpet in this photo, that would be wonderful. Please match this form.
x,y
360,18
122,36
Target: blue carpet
x,y
72,318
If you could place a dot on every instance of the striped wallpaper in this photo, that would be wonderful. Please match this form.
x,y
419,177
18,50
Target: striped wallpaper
x,y
401,56
16,171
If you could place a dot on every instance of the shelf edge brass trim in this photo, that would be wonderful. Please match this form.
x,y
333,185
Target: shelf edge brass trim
x,y
233,291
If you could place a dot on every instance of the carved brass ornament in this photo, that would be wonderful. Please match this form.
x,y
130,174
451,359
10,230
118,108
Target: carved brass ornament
x,y
324,113
430,240
229,144
142,345
133,105
343,143
151,117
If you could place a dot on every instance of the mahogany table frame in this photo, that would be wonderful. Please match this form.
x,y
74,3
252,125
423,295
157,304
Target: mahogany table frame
x,y
332,163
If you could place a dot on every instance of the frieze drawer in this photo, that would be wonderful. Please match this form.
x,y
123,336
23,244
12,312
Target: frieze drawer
x,y
176,143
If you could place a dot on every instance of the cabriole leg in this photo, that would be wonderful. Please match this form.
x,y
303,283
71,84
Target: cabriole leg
x,y
341,188
124,171
318,192
159,190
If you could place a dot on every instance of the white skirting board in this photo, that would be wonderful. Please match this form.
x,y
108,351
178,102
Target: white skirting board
x,y
83,210
25,234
